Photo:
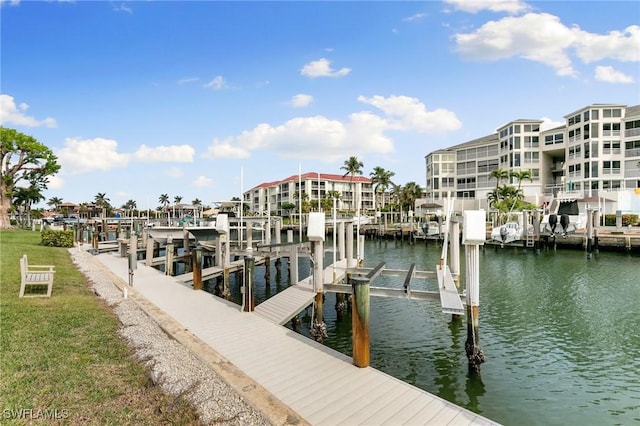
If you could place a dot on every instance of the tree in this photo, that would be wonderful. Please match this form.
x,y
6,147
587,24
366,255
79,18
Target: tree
x,y
522,175
499,175
164,200
177,199
24,162
102,202
352,167
23,199
55,203
381,180
409,194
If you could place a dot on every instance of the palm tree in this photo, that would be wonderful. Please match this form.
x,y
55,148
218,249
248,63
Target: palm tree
x,y
409,194
55,202
164,200
522,175
25,198
197,203
129,205
381,180
102,202
352,167
499,175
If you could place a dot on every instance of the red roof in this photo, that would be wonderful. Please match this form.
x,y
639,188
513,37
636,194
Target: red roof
x,y
315,175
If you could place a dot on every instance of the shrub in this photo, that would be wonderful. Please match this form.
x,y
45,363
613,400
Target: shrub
x,y
627,219
54,238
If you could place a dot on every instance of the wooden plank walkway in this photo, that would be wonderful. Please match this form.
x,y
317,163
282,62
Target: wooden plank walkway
x,y
449,296
288,303
320,384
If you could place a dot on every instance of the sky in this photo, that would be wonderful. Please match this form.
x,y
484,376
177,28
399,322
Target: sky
x,y
207,99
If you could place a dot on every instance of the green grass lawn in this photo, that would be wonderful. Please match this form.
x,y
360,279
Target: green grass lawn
x,y
62,356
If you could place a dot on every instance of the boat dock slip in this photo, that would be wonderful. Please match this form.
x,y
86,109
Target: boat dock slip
x,y
288,303
320,384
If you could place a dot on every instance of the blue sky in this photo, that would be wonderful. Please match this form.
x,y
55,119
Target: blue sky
x,y
202,99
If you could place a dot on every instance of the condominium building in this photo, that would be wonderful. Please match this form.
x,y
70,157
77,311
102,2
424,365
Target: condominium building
x,y
314,187
596,152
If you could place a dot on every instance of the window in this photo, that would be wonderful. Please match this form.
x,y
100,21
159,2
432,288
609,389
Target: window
x,y
531,127
611,147
516,142
608,113
594,130
517,128
559,138
610,167
586,149
548,140
594,169
611,129
594,150
531,157
448,182
586,131
586,169
586,116
531,142
516,159
594,114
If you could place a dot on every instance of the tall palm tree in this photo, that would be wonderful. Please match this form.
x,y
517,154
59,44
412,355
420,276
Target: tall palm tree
x,y
197,203
352,167
102,202
522,175
164,200
55,202
499,175
409,194
381,180
25,197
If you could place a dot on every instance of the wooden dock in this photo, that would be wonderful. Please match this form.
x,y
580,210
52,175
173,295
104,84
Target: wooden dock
x,y
320,384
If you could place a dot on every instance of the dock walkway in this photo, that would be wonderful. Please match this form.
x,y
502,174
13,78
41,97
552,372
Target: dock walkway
x,y
320,384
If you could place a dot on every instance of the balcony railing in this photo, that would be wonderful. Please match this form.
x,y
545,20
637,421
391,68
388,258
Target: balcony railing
x,y
615,171
631,132
611,133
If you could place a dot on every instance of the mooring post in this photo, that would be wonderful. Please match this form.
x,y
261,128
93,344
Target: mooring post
x,y
473,236
150,250
186,244
349,244
168,258
360,321
455,257
289,235
197,268
278,231
249,283
536,231
589,232
525,230
596,224
293,264
341,241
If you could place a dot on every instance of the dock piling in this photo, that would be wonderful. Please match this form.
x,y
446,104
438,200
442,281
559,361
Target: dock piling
x,y
360,321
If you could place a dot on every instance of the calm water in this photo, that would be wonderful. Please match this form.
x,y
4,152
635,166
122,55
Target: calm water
x,y
561,334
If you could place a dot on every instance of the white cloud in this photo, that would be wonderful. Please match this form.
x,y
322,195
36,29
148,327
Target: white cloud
x,y
172,153
225,149
202,182
475,6
416,17
609,75
619,45
12,115
319,137
548,123
186,80
55,182
301,100
537,37
174,172
411,114
123,8
217,83
543,38
322,68
86,155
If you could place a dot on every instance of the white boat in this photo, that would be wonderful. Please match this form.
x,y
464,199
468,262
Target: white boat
x,y
566,216
510,232
431,229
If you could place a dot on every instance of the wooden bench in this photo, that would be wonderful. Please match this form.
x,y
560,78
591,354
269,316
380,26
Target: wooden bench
x,y
35,276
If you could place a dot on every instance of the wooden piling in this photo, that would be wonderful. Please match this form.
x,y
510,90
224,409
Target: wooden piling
x,y
360,321
248,302
474,352
168,258
197,268
589,233
150,250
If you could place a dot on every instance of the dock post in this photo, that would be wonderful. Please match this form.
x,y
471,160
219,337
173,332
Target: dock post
x,y
249,228
168,258
472,239
318,328
360,321
197,268
186,244
150,249
349,244
596,223
455,258
341,243
525,230
248,302
589,232
289,235
293,264
278,231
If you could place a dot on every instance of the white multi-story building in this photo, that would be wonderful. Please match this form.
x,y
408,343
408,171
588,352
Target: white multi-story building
x,y
269,197
596,152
